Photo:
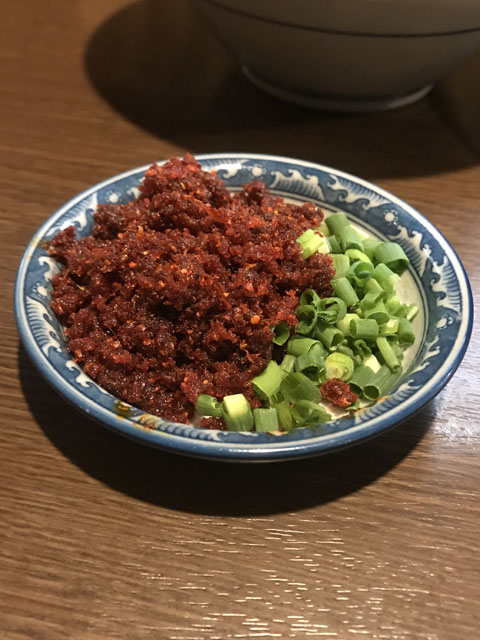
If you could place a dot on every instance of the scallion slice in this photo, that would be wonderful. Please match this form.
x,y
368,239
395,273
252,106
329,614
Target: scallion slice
x,y
284,414
380,384
298,345
310,242
369,246
378,313
330,336
390,328
356,255
405,332
335,246
362,376
267,383
237,412
331,310
288,363
265,420
412,312
307,412
350,238
208,406
296,386
388,354
365,328
361,348
392,255
307,318
373,286
309,297
343,325
344,290
281,333
341,264
385,276
373,363
339,365
312,364
360,272
336,221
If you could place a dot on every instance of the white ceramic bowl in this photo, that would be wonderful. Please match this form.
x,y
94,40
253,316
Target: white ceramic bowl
x,y
343,54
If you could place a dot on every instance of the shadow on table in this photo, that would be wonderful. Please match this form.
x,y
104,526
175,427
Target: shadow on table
x,y
212,488
157,64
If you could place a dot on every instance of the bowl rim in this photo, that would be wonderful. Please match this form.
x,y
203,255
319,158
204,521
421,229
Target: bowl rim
x,y
194,444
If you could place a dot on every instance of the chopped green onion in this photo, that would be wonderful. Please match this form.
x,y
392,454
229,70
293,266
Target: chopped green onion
x,y
371,298
373,363
392,255
336,221
309,297
310,242
350,238
298,345
296,386
412,312
281,333
339,365
325,246
378,313
382,382
344,348
357,255
405,332
288,363
237,412
284,414
341,264
373,286
369,246
312,364
335,246
265,420
388,353
307,315
390,328
330,336
323,228
365,328
361,348
267,383
208,406
360,272
307,412
361,377
385,276
330,310
393,303
344,290
343,325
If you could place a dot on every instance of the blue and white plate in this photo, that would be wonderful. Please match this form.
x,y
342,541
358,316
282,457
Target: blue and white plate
x,y
436,281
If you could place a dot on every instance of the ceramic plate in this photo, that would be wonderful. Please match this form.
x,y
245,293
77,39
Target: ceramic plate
x,y
436,281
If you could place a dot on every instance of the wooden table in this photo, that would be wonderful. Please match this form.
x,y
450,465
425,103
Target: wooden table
x,y
104,538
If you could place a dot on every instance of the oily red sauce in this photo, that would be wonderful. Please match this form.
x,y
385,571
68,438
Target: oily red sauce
x,y
174,294
338,393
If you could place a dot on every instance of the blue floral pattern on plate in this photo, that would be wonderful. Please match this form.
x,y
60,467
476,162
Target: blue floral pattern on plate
x,y
435,269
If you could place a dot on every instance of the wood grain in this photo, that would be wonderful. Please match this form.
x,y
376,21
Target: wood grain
x,y
104,538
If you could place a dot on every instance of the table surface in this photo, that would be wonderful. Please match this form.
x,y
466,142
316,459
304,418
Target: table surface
x,y
104,538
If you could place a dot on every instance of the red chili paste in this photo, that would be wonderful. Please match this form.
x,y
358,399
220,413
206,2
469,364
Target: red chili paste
x,y
338,393
174,294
